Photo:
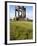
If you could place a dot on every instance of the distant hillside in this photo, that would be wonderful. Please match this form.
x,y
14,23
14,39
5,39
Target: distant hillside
x,y
21,19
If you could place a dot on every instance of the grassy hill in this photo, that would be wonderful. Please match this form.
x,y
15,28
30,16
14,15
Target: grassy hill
x,y
20,30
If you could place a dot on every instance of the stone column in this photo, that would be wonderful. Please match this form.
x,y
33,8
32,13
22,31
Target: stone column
x,y
18,12
15,14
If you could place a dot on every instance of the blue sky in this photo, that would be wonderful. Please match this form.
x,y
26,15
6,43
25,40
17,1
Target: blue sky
x,y
29,11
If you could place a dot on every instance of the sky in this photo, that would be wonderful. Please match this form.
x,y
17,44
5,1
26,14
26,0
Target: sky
x,y
29,11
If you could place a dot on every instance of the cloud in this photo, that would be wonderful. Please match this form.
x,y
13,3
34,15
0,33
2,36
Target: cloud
x,y
29,15
12,15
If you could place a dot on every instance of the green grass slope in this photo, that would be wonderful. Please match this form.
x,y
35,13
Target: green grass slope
x,y
20,30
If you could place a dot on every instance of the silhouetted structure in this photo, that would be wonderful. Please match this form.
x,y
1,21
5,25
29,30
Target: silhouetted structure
x,y
20,13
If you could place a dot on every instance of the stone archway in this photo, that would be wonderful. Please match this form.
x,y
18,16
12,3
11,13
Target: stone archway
x,y
20,12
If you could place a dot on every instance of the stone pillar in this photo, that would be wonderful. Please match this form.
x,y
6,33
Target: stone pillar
x,y
18,12
15,14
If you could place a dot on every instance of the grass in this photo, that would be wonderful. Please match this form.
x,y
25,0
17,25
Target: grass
x,y
20,30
